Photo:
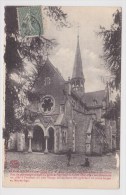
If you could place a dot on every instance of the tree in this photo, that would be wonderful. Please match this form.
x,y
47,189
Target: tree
x,y
18,52
112,58
112,49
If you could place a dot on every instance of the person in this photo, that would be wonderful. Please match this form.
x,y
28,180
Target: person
x,y
87,163
69,154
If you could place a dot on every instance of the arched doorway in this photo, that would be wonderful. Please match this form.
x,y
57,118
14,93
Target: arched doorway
x,y
51,140
38,141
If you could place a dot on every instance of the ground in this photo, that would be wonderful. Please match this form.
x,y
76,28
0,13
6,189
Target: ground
x,y
58,163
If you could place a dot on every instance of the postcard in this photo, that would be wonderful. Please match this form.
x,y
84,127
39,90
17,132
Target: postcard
x,y
62,97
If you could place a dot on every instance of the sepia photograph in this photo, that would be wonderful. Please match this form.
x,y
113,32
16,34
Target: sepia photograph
x,y
62,96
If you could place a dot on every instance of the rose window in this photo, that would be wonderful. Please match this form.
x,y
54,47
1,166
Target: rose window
x,y
47,104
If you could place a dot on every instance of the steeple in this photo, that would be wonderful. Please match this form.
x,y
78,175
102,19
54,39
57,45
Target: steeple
x,y
77,70
78,76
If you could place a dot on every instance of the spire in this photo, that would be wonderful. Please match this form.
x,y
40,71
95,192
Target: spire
x,y
78,80
78,70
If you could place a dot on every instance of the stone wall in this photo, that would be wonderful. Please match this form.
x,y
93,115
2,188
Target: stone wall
x,y
82,122
108,132
96,143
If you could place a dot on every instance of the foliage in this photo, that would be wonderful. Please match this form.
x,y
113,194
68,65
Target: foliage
x,y
112,49
56,14
113,110
20,53
112,58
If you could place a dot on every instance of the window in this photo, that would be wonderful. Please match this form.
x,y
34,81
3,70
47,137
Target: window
x,y
47,81
64,137
47,104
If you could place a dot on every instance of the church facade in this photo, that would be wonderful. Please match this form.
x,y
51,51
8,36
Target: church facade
x,y
62,116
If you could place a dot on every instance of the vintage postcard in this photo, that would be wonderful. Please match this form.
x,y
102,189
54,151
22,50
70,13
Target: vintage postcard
x,y
62,97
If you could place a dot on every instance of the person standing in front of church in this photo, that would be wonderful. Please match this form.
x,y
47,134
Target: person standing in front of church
x,y
69,155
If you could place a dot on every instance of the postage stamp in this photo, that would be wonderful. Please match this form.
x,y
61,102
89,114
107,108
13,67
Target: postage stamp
x,y
30,21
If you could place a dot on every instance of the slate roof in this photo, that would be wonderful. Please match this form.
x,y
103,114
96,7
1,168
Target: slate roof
x,y
47,68
56,69
97,95
56,87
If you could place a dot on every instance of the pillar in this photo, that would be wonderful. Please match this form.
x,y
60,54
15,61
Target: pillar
x,y
55,141
74,138
60,139
46,145
29,147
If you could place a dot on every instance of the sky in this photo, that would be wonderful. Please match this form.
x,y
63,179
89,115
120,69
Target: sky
x,y
89,19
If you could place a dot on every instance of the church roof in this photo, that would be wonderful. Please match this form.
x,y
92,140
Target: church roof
x,y
96,95
78,70
47,69
51,69
55,87
55,69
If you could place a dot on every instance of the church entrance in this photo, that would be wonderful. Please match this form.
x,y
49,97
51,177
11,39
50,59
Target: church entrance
x,y
38,141
51,140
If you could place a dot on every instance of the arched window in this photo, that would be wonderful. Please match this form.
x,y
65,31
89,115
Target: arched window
x,y
64,137
47,81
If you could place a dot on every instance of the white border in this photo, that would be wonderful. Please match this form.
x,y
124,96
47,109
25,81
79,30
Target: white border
x,y
122,3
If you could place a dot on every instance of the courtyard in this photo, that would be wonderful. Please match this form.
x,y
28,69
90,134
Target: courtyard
x,y
58,163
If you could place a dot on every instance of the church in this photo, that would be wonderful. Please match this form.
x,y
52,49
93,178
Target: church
x,y
62,116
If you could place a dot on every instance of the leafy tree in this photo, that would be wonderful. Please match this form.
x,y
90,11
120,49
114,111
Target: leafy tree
x,y
112,58
19,52
112,49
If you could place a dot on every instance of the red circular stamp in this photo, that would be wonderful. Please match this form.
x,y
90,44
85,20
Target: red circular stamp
x,y
14,164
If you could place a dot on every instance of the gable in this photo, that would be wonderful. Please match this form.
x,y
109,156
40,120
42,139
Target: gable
x,y
49,82
48,77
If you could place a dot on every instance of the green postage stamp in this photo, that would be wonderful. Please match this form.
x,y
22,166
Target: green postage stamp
x,y
30,21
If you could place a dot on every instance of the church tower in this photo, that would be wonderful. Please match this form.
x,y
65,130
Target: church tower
x,y
78,80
